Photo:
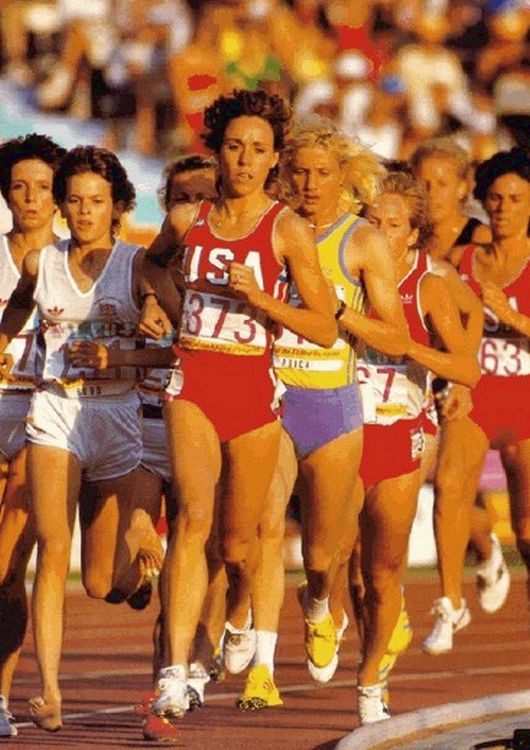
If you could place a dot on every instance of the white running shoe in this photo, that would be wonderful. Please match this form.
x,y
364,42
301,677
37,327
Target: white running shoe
x,y
325,674
198,678
448,622
493,579
371,705
239,646
7,726
173,694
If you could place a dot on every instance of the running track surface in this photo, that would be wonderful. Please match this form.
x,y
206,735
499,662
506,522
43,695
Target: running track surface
x,y
106,669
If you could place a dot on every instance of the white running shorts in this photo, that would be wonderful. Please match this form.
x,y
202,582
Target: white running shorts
x,y
155,456
103,433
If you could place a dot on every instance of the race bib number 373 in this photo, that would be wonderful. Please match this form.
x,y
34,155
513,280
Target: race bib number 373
x,y
224,324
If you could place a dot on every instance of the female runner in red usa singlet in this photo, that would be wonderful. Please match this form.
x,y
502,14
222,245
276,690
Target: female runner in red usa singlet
x,y
223,433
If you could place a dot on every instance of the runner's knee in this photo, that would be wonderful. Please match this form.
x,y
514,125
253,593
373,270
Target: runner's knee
x,y
236,549
193,523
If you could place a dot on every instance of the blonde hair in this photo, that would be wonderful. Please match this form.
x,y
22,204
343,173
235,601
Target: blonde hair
x,y
415,196
362,171
446,149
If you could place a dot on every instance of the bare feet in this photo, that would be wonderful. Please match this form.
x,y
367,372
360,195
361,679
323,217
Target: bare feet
x,y
150,555
46,715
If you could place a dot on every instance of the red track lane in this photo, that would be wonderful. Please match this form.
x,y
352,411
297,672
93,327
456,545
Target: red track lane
x,y
106,669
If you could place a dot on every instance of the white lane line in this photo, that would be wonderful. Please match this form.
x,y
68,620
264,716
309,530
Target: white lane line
x,y
307,686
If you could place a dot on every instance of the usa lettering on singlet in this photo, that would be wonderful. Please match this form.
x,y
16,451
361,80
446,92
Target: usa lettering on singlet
x,y
301,363
20,373
213,319
503,351
396,388
106,314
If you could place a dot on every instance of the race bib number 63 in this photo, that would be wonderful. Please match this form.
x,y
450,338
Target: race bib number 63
x,y
504,357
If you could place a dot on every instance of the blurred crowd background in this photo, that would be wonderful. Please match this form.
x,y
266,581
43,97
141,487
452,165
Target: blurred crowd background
x,y
392,72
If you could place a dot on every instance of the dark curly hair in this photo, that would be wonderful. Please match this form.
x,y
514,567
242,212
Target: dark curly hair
x,y
32,146
102,162
515,161
242,103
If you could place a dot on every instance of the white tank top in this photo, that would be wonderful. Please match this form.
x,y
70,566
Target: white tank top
x,y
23,348
105,314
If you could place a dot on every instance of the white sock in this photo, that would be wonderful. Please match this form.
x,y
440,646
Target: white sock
x,y
265,648
316,609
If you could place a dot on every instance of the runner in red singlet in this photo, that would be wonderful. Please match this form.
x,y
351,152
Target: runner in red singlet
x,y
393,399
240,254
500,417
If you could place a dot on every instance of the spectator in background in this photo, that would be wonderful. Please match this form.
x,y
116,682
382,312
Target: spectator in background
x,y
127,39
508,24
435,81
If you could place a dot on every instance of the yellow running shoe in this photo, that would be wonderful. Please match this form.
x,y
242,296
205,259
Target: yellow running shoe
x,y
399,642
402,633
260,690
321,641
320,638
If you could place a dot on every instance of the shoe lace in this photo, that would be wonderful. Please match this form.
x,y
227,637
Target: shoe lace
x,y
171,685
323,629
235,639
440,611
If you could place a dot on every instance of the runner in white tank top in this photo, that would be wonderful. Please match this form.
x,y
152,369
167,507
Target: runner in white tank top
x,y
83,423
27,166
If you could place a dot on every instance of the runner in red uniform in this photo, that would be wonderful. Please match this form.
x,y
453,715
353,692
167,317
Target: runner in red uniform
x,y
393,399
223,433
500,416
446,171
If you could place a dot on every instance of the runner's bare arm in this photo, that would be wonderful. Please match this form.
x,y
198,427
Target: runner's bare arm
x,y
159,303
457,363
494,298
83,353
152,283
388,333
172,233
21,301
466,300
293,242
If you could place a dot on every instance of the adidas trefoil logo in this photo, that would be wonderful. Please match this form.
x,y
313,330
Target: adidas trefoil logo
x,y
54,312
